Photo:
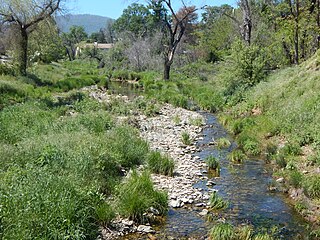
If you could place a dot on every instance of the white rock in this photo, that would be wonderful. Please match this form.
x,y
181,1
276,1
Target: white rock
x,y
204,212
145,229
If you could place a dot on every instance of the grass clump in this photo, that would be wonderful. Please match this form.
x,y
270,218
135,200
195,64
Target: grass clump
x,y
222,231
311,185
213,164
160,164
237,156
223,143
126,147
197,121
137,194
185,138
225,231
217,202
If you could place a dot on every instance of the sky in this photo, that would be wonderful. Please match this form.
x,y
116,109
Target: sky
x,y
114,8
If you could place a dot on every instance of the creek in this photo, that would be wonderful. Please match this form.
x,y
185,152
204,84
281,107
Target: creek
x,y
246,188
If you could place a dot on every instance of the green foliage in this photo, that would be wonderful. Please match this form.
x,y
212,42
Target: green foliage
x,y
223,143
136,19
311,185
217,202
295,178
198,121
213,164
160,164
6,69
137,194
222,231
185,138
126,147
237,156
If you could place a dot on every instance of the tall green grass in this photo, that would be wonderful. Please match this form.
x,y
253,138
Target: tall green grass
x,y
137,194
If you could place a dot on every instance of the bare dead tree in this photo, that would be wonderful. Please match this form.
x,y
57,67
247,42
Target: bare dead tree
x,y
174,29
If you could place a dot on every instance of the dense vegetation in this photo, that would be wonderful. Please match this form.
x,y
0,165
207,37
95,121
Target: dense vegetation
x,y
64,155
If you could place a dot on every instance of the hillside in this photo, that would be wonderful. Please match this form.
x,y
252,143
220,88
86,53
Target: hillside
x,y
91,23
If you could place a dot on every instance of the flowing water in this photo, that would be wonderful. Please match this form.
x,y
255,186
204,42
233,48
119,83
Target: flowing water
x,y
245,186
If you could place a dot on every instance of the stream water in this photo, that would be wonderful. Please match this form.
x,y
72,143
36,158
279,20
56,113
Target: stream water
x,y
245,186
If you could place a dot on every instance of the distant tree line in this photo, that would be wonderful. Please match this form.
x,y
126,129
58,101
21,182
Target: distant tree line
x,y
258,35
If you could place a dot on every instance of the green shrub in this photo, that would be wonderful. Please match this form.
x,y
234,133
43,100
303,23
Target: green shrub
x,y
223,143
217,202
291,149
222,231
311,185
185,138
137,194
6,69
160,164
237,156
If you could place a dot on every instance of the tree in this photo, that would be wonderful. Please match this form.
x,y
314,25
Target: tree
x,y
45,44
71,39
25,16
136,19
173,31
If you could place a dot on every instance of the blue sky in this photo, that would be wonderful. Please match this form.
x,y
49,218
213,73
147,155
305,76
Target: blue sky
x,y
114,8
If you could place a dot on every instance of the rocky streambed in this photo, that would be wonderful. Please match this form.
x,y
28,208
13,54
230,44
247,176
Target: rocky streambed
x,y
244,186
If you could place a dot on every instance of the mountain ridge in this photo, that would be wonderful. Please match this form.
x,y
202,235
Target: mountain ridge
x,y
91,23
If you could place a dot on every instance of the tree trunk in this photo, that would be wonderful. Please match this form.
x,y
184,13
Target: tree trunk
x,y
167,67
247,22
23,53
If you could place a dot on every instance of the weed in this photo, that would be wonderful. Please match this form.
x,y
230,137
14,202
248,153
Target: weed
x,y
198,121
160,164
222,231
223,143
217,202
213,164
176,119
185,138
237,156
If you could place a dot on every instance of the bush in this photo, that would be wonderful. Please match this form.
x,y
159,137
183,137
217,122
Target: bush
x,y
185,138
160,164
137,194
217,202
